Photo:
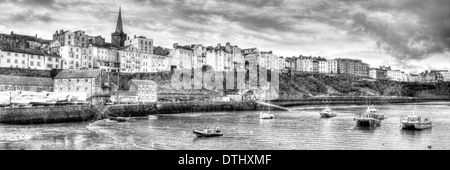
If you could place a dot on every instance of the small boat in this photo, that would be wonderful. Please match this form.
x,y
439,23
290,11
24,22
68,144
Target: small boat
x,y
208,132
415,123
119,119
370,120
373,111
327,113
266,116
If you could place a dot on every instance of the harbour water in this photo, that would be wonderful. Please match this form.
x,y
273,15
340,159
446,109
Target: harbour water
x,y
299,129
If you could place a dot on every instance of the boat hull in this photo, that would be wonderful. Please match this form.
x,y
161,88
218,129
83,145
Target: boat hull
x,y
416,126
118,119
328,115
367,122
267,116
206,135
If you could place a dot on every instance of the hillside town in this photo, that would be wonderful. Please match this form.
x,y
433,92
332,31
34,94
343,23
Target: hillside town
x,y
85,59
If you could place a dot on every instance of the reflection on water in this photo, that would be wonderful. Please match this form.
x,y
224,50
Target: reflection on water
x,y
300,129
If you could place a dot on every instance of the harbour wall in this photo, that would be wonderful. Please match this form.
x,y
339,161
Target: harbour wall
x,y
43,115
352,101
65,114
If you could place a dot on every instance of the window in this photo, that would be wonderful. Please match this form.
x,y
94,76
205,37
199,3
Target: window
x,y
68,43
16,55
31,63
9,54
23,62
38,63
23,55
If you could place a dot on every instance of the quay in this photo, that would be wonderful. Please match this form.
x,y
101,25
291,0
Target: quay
x,y
66,114
69,113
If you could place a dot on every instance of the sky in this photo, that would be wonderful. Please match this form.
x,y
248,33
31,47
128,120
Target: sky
x,y
409,35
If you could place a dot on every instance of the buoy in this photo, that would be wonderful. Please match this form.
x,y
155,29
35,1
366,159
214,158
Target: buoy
x,y
429,146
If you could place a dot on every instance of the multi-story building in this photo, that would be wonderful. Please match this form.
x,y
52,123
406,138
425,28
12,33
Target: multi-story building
x,y
445,75
69,38
237,58
141,43
332,67
353,67
323,65
18,83
23,41
28,58
160,60
130,59
183,57
306,64
146,90
378,74
105,57
89,82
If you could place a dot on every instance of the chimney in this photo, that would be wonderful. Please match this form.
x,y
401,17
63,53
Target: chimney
x,y
175,45
134,36
228,44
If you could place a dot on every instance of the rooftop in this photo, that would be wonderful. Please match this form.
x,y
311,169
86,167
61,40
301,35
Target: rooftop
x,y
25,81
68,74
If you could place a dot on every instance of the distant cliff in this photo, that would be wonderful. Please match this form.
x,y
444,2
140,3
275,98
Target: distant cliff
x,y
304,86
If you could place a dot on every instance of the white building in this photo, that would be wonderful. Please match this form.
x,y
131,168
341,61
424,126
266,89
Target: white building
x,y
332,67
141,43
28,59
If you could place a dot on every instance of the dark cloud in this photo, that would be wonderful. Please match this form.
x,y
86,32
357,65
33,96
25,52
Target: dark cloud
x,y
30,16
34,3
429,35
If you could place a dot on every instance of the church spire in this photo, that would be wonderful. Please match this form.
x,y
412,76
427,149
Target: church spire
x,y
119,28
119,37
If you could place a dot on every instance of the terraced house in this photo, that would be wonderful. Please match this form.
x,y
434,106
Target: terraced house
x,y
28,58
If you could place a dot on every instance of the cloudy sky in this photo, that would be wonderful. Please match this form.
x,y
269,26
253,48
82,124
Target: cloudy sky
x,y
411,35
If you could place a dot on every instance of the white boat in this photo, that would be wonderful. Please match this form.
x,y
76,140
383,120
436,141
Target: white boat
x,y
327,113
208,132
266,116
373,111
415,123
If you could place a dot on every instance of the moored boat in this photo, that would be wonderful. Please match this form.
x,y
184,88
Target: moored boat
x,y
208,132
266,116
327,113
369,120
119,119
415,123
374,112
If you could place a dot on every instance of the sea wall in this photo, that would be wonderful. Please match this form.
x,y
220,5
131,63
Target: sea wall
x,y
65,114
42,115
353,101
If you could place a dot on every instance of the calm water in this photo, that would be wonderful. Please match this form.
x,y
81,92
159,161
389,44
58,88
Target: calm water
x,y
300,129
